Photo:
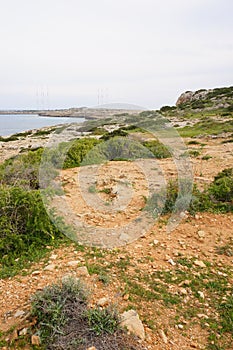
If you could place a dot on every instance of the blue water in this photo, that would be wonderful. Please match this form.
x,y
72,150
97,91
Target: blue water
x,y
14,123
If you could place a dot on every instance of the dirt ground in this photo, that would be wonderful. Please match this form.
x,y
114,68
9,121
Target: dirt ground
x,y
15,292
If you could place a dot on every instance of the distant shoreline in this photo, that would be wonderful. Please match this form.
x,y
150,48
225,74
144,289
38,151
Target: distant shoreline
x,y
82,112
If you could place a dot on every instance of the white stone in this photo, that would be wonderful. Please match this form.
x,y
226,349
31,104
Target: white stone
x,y
199,263
201,234
82,271
50,267
201,294
132,322
103,302
53,256
19,313
163,336
23,331
35,273
172,262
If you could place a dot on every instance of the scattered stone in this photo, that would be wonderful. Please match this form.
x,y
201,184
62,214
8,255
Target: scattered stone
x,y
201,294
183,291
35,273
103,302
163,336
92,348
132,322
156,242
180,326
53,257
199,263
82,271
23,331
201,234
73,263
19,313
202,316
50,267
172,262
35,340
183,215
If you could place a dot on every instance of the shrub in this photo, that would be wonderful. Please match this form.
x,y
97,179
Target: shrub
x,y
222,187
157,149
64,320
22,170
53,305
118,132
77,151
24,223
103,320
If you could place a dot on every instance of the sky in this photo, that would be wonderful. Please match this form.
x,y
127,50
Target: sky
x,y
73,53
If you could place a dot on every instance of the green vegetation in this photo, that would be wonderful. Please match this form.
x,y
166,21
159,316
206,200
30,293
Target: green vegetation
x,y
22,170
207,127
157,149
103,320
217,197
25,228
64,320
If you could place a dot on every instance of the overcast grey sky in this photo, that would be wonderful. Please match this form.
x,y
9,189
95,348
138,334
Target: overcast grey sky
x,y
144,52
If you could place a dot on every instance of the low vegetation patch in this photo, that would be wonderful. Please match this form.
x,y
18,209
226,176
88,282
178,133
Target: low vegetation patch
x,y
64,320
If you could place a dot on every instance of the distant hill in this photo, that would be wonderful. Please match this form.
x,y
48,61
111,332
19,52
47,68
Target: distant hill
x,y
207,99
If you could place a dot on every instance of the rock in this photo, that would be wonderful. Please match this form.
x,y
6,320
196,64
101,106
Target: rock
x,y
180,326
23,331
201,234
202,316
35,340
132,322
19,313
73,263
82,271
183,291
35,273
172,262
53,257
103,302
163,336
199,263
92,348
124,237
156,242
201,294
50,267
126,297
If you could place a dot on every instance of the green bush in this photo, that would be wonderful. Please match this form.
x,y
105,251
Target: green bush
x,y
78,151
22,170
222,187
64,320
117,148
103,320
24,223
51,306
157,149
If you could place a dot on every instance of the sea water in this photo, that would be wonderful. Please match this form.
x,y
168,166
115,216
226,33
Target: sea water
x,y
15,123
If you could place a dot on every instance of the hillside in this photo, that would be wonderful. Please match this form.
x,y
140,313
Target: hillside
x,y
212,99
178,282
